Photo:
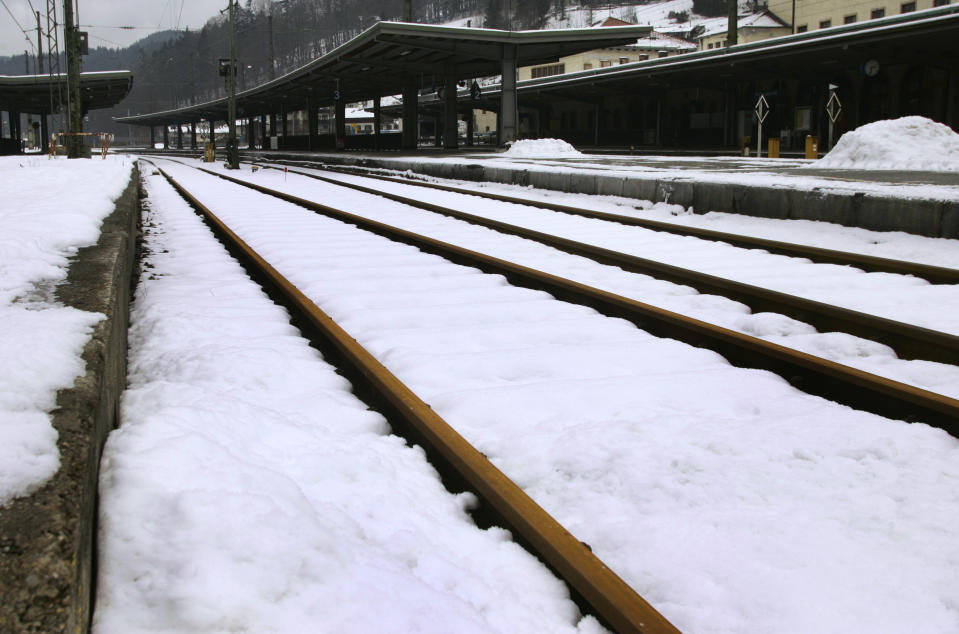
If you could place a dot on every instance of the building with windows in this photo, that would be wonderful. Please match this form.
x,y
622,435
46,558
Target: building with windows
x,y
811,15
714,32
654,46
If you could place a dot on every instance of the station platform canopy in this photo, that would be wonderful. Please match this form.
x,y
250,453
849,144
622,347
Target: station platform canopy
x,y
32,93
384,59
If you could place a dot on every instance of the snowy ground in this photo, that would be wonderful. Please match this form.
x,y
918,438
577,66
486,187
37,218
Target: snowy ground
x,y
730,500
247,489
902,298
48,210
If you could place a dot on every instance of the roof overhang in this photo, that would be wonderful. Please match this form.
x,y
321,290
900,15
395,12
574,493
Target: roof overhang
x,y
35,94
384,58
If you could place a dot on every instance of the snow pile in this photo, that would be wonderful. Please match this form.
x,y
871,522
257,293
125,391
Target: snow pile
x,y
49,209
909,143
542,148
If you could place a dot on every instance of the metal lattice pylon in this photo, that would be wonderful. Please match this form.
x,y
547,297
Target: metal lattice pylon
x,y
53,59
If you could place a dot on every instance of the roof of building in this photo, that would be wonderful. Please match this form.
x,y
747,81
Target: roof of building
x,y
611,21
760,19
664,41
34,94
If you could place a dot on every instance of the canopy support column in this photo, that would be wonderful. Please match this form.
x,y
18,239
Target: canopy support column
x,y
311,123
410,123
377,120
451,117
508,104
340,123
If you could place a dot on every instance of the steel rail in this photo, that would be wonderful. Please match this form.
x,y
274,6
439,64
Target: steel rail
x,y
614,601
909,341
814,375
870,263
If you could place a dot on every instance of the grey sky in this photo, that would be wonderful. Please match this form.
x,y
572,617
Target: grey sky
x,y
101,17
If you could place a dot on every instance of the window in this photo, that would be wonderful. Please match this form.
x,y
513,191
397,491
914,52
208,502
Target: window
x,y
588,66
643,57
907,7
825,24
548,71
940,3
802,28
849,19
605,63
710,45
623,60
663,53
877,13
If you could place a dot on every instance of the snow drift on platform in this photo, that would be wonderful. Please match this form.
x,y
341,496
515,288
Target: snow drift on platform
x,y
909,143
542,148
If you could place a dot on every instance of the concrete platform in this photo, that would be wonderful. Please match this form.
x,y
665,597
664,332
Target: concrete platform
x,y
922,203
47,540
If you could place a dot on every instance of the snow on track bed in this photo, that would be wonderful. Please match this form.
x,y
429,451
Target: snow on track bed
x,y
248,490
728,499
809,279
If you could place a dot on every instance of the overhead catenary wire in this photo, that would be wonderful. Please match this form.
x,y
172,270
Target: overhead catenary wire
x,y
26,33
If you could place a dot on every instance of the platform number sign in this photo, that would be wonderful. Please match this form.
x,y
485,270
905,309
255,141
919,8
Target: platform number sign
x,y
337,95
762,111
833,107
833,110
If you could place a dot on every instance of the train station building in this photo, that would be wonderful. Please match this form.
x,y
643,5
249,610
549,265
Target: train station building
x,y
704,100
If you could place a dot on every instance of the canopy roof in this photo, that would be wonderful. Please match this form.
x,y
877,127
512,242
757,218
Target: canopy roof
x,y
379,61
32,93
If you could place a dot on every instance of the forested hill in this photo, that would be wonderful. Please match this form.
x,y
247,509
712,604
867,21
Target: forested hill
x,y
176,68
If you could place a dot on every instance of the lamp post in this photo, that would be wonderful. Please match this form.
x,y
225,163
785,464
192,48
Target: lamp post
x,y
232,147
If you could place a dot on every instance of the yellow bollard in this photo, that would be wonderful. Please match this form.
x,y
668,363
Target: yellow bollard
x,y
812,147
773,148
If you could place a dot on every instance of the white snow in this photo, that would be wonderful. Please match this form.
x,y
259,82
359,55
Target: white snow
x,y
541,148
902,298
730,500
49,209
907,143
248,490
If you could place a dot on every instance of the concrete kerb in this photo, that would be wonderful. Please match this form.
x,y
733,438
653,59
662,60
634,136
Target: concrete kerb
x,y
47,540
933,218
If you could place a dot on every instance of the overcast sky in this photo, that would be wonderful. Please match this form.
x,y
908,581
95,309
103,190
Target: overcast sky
x,y
101,19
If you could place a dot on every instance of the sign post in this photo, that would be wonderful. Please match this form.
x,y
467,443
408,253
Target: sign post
x,y
762,111
833,109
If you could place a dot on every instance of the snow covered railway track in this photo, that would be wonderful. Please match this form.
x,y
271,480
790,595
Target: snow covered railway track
x,y
908,341
597,587
869,263
812,374
719,493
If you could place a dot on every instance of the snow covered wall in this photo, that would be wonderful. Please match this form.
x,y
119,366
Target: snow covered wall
x,y
67,244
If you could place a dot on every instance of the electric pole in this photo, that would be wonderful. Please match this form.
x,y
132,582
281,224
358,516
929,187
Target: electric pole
x,y
269,23
407,10
39,45
75,117
732,28
232,147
